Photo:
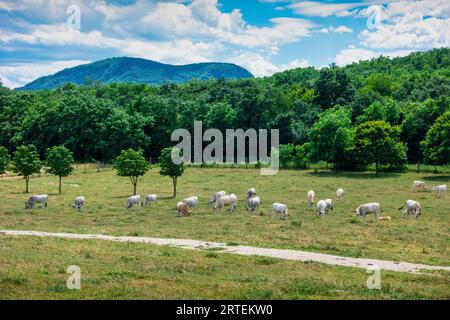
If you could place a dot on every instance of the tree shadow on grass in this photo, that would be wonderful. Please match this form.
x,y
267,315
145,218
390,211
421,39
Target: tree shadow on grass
x,y
437,178
354,175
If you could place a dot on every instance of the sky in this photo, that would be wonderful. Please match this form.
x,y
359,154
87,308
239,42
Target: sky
x,y
41,37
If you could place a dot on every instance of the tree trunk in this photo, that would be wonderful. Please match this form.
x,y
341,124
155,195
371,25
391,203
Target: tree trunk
x,y
98,166
376,167
27,178
135,187
435,168
85,167
174,186
418,167
59,187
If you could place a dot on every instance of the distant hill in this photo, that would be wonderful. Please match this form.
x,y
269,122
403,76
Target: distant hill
x,y
135,70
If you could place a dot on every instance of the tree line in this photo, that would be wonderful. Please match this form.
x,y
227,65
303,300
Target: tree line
x,y
386,112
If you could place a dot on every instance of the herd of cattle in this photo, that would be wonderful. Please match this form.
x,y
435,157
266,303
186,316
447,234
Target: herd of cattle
x,y
220,200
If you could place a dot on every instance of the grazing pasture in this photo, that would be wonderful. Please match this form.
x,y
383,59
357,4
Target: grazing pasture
x,y
33,268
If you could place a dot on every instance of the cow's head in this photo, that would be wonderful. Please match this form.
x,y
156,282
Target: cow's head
x,y
357,211
27,205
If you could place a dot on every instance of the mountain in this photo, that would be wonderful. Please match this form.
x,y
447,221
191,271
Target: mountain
x,y
135,70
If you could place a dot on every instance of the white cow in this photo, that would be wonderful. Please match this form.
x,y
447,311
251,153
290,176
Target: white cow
x,y
149,199
41,199
280,208
191,202
251,193
79,203
418,185
310,197
439,189
367,208
216,197
412,207
254,203
133,201
321,207
339,193
329,203
229,200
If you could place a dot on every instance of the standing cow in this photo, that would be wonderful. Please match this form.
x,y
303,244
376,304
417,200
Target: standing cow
x,y
191,202
439,189
133,201
216,197
230,201
367,208
339,193
183,209
37,199
412,207
251,193
418,185
149,199
254,203
280,208
79,203
310,198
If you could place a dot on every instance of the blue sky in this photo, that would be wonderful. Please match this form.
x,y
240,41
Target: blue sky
x,y
40,37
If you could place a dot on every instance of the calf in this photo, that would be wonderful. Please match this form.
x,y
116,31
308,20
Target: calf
x,y
133,201
41,199
149,199
439,189
412,207
310,198
79,203
280,208
230,200
367,208
254,203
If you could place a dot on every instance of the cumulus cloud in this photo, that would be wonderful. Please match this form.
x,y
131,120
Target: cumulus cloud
x,y
260,66
16,75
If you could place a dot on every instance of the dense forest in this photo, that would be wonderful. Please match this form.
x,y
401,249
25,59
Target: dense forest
x,y
385,111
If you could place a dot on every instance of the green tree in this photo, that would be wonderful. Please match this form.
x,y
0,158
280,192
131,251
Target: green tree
x,y
26,162
325,145
286,154
4,159
59,161
378,142
169,168
333,87
131,163
436,146
302,156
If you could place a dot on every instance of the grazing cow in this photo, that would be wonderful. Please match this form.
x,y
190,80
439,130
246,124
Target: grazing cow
x,y
386,218
412,207
439,189
311,198
418,185
367,208
223,201
280,208
329,203
149,199
321,207
216,197
191,202
251,193
133,201
79,203
254,203
41,199
183,209
339,193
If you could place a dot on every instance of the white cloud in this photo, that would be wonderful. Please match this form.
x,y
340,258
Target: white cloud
x,y
19,74
353,54
259,66
322,9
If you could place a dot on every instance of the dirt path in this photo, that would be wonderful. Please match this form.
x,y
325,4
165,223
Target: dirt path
x,y
246,250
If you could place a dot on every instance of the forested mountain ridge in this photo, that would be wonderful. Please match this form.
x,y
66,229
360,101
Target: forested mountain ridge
x,y
333,114
135,70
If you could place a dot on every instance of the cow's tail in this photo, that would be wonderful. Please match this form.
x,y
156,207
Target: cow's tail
x,y
401,207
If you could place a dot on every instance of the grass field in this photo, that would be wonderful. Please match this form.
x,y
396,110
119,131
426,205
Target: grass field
x,y
33,268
